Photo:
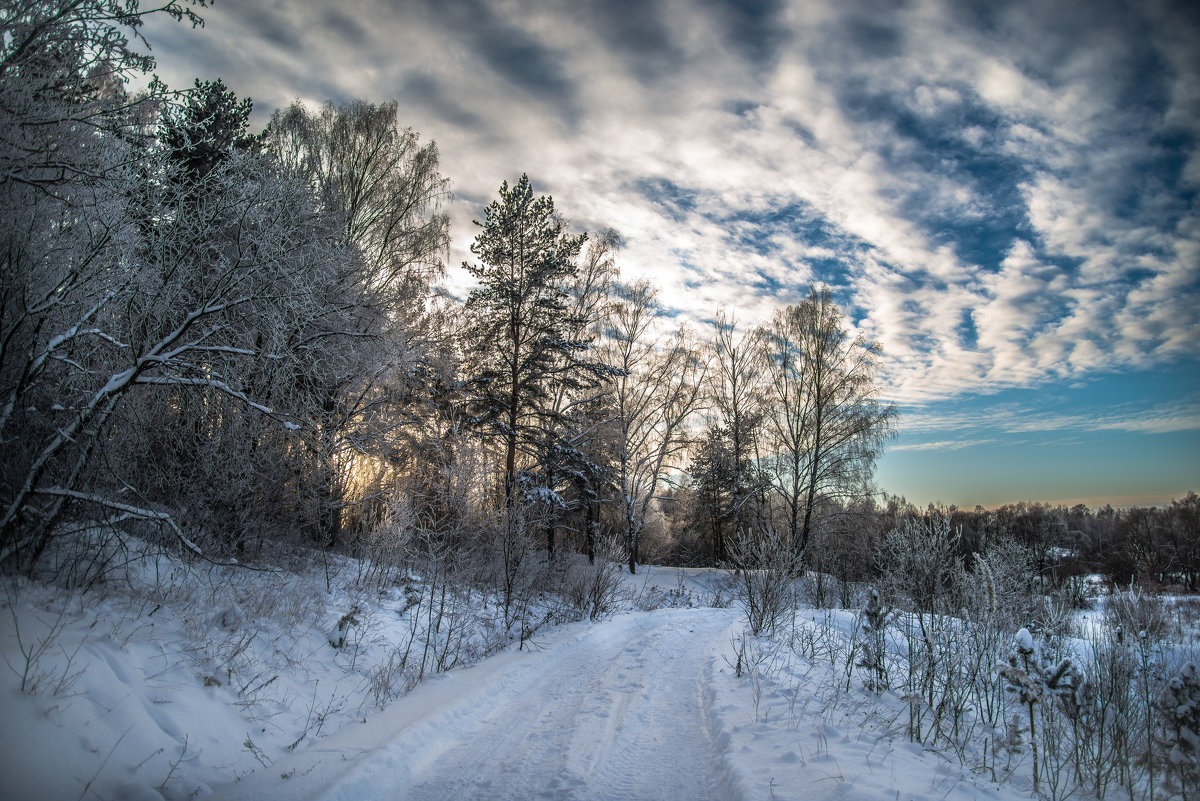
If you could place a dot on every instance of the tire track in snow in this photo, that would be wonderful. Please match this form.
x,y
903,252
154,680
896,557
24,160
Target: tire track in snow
x,y
617,711
623,717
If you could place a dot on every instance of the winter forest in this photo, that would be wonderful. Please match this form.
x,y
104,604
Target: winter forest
x,y
262,475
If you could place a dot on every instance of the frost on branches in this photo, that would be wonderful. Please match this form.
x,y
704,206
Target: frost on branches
x,y
1179,738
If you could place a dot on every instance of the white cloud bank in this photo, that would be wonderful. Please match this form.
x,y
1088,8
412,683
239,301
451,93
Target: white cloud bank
x,y
1004,195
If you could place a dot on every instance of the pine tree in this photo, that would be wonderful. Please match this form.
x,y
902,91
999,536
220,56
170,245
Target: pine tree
x,y
522,323
208,129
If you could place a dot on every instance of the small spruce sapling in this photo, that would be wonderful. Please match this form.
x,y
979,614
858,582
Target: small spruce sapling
x,y
337,637
1023,689
1031,681
1179,736
875,619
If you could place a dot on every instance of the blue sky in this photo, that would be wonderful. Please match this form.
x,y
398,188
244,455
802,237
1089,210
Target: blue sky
x,y
1003,194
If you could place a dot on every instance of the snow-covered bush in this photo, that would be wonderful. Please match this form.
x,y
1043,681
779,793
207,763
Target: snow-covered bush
x,y
1054,623
1127,725
766,569
1137,613
1086,709
1178,740
919,564
593,589
999,586
384,548
515,568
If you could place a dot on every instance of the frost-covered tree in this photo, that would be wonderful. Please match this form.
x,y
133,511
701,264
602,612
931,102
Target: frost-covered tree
x,y
919,565
826,423
64,65
166,291
381,183
73,145
381,186
657,387
214,190
1178,741
185,446
523,339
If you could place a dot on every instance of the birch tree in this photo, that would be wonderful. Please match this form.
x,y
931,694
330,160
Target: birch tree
x,y
657,387
826,423
382,186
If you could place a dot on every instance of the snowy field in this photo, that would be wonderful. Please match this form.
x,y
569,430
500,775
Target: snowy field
x,y
189,682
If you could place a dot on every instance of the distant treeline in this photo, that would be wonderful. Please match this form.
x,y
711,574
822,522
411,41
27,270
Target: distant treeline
x,y
1156,547
1151,547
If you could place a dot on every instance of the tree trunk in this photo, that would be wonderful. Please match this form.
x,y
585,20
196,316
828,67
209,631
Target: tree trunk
x,y
814,469
590,532
510,465
514,402
633,542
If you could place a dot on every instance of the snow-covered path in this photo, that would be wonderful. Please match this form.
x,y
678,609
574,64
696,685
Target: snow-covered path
x,y
621,710
643,706
626,711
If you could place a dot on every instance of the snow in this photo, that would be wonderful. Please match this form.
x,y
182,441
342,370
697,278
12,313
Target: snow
x,y
606,711
215,682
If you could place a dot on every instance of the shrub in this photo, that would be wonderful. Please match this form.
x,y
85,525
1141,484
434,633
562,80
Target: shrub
x,y
765,567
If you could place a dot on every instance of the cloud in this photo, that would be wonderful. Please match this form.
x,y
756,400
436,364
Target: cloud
x,y
1003,194
941,445
1155,421
1015,419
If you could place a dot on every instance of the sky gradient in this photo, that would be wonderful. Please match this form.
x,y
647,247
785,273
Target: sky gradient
x,y
1002,194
